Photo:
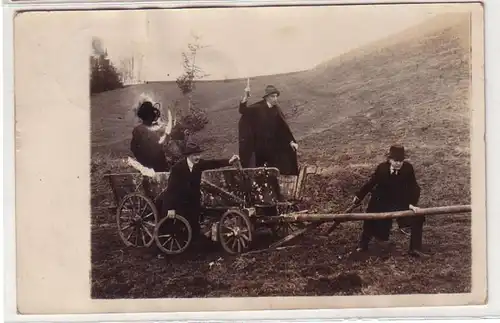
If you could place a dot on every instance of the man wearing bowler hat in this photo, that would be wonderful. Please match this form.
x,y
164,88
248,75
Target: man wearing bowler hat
x,y
183,195
393,187
265,137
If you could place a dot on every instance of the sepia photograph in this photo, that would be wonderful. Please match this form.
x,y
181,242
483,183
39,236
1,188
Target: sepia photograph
x,y
250,158
235,159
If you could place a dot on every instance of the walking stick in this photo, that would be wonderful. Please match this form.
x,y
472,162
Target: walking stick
x,y
247,89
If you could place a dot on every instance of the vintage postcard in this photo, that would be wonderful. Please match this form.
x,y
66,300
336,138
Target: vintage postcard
x,y
250,158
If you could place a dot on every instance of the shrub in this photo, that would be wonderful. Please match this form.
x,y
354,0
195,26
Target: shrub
x,y
103,74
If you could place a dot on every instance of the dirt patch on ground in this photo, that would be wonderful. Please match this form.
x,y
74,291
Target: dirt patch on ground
x,y
347,284
317,266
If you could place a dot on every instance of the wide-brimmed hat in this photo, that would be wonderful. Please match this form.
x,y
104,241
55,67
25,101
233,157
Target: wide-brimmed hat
x,y
397,152
191,148
271,89
148,111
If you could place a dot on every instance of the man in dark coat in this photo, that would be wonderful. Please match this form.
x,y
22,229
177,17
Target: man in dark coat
x,y
182,195
265,137
393,187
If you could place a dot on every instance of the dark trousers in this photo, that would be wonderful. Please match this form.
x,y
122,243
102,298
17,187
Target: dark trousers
x,y
265,156
416,225
365,238
191,214
379,229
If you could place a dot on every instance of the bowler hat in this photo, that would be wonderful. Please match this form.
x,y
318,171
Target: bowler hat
x,y
397,152
271,89
191,148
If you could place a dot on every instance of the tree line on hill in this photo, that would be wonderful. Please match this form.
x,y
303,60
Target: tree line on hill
x,y
105,76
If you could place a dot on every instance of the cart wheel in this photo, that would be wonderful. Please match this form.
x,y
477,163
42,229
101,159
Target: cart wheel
x,y
173,234
136,217
235,231
281,230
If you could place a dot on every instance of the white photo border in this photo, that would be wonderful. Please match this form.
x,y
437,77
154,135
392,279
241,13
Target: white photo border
x,y
492,87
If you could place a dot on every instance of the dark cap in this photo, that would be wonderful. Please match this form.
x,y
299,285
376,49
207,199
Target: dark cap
x,y
397,152
271,89
191,148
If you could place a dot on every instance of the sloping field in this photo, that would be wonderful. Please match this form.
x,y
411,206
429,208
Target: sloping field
x,y
412,89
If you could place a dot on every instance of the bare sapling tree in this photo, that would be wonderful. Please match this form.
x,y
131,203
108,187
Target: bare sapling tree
x,y
187,83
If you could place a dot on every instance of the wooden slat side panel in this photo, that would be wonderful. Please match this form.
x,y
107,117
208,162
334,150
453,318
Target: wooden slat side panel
x,y
254,185
300,182
288,185
123,185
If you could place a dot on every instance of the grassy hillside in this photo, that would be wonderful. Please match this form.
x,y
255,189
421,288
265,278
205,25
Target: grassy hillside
x,y
314,100
415,93
411,89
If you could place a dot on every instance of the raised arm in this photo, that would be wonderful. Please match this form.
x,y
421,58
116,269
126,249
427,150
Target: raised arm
x,y
206,164
242,107
243,103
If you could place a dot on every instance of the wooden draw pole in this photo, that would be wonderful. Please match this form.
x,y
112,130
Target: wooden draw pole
x,y
337,222
321,218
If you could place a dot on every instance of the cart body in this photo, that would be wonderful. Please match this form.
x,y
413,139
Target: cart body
x,y
231,200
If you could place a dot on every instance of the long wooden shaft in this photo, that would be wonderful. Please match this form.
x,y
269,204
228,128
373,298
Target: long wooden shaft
x,y
295,234
297,217
309,228
337,222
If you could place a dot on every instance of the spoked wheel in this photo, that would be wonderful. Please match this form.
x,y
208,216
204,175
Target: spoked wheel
x,y
173,234
235,231
281,230
136,218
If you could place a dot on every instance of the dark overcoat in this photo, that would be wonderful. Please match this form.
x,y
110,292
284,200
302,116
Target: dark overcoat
x,y
150,153
264,136
389,193
183,190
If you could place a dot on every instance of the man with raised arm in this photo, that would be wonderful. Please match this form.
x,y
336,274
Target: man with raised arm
x,y
264,136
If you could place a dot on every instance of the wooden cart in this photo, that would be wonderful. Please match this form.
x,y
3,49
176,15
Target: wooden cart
x,y
234,202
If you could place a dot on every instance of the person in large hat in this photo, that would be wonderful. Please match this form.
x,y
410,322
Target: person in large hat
x,y
265,138
155,144
182,195
393,187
